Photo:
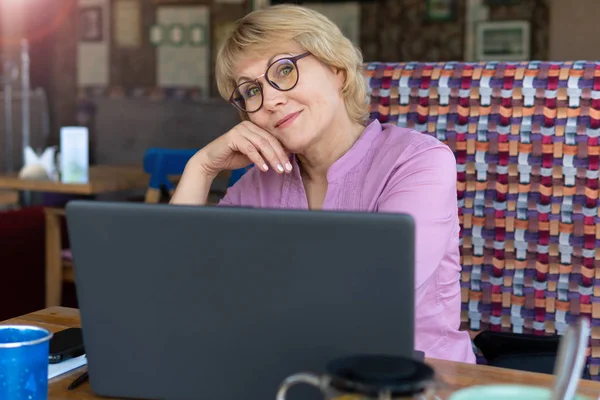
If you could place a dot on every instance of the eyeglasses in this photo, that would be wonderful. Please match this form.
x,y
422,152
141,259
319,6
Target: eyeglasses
x,y
282,74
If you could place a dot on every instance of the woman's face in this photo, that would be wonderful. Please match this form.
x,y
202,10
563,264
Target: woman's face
x,y
300,116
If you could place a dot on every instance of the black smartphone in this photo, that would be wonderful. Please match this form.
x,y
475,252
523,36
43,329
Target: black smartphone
x,y
65,345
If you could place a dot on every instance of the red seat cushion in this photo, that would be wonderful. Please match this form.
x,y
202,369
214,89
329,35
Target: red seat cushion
x,y
22,261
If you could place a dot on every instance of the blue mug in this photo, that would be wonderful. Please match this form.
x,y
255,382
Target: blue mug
x,y
24,362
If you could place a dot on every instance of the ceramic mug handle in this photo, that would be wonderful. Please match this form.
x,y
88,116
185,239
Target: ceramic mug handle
x,y
304,377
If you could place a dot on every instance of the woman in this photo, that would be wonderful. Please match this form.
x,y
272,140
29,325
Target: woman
x,y
298,85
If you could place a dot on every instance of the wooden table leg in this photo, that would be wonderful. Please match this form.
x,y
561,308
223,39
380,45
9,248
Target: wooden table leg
x,y
9,198
54,268
152,195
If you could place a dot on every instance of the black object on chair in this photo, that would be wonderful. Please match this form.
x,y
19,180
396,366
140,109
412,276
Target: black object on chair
x,y
523,352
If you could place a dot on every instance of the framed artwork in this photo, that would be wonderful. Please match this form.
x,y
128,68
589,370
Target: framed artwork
x,y
177,35
221,31
345,15
441,10
180,2
182,40
196,35
501,2
127,20
309,2
502,41
91,28
258,4
157,35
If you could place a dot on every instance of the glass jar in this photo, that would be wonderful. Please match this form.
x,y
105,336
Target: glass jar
x,y
369,377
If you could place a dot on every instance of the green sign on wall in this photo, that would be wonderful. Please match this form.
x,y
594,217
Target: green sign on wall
x,y
177,35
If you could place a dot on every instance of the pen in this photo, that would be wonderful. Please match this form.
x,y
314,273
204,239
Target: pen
x,y
80,379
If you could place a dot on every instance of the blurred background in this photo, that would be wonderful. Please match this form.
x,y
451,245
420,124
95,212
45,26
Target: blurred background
x,y
139,73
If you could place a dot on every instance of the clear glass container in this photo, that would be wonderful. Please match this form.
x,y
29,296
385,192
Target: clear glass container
x,y
369,377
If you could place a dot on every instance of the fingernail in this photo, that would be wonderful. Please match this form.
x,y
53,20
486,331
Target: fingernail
x,y
265,167
288,166
279,168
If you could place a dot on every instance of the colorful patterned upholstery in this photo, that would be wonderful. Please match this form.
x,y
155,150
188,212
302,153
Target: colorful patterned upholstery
x,y
526,140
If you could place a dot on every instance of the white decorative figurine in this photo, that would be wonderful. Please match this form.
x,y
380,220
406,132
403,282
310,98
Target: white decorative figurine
x,y
39,167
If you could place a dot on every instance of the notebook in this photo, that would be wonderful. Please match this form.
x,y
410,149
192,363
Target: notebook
x,y
63,367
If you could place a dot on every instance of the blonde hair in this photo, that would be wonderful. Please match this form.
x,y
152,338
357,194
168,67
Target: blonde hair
x,y
260,29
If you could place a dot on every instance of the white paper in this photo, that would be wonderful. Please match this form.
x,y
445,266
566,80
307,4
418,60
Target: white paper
x,y
55,370
74,154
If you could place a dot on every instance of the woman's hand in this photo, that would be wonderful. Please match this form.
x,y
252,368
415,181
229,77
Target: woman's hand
x,y
244,144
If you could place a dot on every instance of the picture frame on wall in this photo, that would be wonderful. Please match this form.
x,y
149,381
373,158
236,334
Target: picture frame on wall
x,y
127,22
345,15
503,41
308,2
501,2
91,27
441,10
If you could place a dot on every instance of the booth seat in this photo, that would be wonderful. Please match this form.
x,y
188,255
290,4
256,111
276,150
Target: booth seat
x,y
525,136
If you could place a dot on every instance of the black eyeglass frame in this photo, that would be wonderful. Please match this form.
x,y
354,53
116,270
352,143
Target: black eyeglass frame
x,y
294,61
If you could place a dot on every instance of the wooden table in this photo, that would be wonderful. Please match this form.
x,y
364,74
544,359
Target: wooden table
x,y
454,375
102,179
9,197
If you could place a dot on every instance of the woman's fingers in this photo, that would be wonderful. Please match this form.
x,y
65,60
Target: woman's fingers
x,y
266,150
245,146
270,147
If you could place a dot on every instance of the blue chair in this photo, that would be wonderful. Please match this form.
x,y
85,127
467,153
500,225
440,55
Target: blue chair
x,y
236,174
161,163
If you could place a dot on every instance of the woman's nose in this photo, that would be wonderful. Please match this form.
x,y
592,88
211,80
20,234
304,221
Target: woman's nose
x,y
272,98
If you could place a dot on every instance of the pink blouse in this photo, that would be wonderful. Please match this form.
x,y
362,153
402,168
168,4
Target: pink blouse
x,y
392,169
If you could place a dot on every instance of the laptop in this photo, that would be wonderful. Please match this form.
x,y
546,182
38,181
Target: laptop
x,y
181,302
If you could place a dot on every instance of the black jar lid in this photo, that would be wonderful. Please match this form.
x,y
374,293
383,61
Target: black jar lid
x,y
372,374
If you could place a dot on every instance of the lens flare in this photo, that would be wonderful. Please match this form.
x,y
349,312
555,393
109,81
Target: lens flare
x,y
37,26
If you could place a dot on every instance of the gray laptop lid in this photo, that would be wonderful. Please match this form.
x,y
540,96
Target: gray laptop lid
x,y
223,303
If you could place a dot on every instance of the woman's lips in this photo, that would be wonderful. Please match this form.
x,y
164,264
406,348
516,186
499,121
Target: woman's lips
x,y
287,120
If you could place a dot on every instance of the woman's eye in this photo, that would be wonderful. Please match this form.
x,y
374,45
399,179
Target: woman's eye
x,y
253,91
285,71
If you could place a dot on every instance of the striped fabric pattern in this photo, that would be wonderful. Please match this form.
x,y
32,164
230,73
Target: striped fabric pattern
x,y
526,140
